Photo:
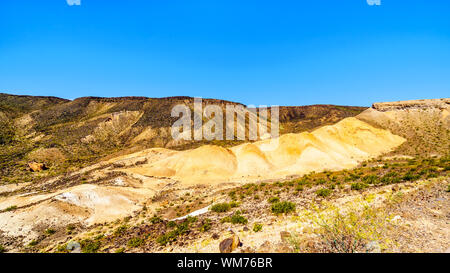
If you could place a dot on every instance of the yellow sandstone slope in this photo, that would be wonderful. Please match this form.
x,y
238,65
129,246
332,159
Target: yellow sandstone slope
x,y
334,147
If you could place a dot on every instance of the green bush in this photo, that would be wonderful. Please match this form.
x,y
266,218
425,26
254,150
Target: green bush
x,y
155,220
283,207
324,192
222,207
135,242
410,177
120,250
2,249
171,224
358,186
120,230
257,227
50,231
370,179
90,246
11,208
236,218
180,229
274,199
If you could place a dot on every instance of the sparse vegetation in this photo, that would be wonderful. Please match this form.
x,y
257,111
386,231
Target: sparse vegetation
x,y
283,207
235,219
50,231
90,246
346,233
220,208
358,186
257,227
323,192
206,225
120,230
274,199
135,242
179,230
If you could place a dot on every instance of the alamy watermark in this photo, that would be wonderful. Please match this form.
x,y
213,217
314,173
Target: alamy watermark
x,y
374,2
73,2
207,122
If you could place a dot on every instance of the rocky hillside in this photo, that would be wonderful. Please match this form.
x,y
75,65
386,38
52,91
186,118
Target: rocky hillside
x,y
376,182
424,123
66,135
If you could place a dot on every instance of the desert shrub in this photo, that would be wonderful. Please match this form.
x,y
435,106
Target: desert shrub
x,y
257,227
323,192
302,182
232,195
180,229
50,231
321,181
221,207
206,225
448,188
120,230
171,224
236,218
283,207
347,232
234,204
90,246
135,242
410,177
11,208
358,186
370,179
70,228
390,178
2,249
155,219
273,199
120,250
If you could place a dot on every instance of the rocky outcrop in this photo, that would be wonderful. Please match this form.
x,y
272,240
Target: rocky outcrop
x,y
412,104
230,244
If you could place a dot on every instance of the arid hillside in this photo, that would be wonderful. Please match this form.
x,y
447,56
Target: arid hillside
x,y
424,123
67,135
351,182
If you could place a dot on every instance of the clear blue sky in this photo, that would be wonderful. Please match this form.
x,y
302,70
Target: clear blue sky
x,y
253,51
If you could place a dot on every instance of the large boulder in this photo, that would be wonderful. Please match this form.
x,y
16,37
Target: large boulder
x,y
230,244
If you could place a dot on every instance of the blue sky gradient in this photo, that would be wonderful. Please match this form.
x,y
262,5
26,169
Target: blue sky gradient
x,y
251,51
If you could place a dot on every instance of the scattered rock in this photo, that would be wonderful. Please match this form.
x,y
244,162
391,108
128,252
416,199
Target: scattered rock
x,y
245,229
266,247
230,244
282,248
248,250
215,236
395,188
285,236
74,247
